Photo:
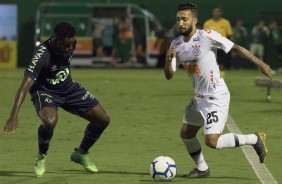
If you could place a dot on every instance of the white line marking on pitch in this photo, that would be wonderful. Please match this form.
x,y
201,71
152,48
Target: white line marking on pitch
x,y
261,170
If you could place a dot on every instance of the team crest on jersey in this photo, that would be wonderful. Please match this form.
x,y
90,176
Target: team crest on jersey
x,y
196,50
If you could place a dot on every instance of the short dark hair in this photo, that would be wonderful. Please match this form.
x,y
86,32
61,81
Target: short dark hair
x,y
218,7
64,30
189,6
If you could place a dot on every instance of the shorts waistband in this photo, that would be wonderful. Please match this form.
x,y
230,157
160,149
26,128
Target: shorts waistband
x,y
210,97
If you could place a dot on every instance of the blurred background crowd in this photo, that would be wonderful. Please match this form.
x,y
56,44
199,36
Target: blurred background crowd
x,y
126,34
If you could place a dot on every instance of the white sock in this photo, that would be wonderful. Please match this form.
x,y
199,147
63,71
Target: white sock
x,y
194,149
232,140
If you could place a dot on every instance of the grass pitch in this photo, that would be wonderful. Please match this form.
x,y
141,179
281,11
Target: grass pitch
x,y
146,112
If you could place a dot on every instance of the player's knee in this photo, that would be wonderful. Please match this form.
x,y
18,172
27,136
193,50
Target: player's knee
x,y
184,134
50,122
105,121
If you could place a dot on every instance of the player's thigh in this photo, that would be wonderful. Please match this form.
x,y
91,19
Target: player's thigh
x,y
192,121
81,102
215,113
192,115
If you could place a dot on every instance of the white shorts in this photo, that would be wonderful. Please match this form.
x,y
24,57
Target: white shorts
x,y
210,112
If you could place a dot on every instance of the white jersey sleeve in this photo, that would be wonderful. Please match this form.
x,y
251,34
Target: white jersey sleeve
x,y
218,41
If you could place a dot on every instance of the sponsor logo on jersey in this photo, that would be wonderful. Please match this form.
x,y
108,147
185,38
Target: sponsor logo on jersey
x,y
35,58
212,40
212,83
54,68
178,41
61,76
192,68
196,50
218,44
199,95
196,39
200,32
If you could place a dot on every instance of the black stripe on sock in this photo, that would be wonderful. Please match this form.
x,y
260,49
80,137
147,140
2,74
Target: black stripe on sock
x,y
195,153
236,141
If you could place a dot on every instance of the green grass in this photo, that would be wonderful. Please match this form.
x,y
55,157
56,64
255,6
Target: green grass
x,y
146,112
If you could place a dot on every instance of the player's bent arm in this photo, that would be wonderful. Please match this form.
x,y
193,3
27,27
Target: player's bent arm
x,y
26,84
168,69
12,123
251,57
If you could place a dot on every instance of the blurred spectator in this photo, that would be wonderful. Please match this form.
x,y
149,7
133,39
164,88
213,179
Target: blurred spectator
x,y
107,38
240,36
222,26
240,33
258,39
122,48
276,37
97,42
140,53
163,45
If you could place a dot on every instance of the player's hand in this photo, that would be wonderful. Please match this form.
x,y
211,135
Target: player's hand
x,y
170,54
266,70
11,125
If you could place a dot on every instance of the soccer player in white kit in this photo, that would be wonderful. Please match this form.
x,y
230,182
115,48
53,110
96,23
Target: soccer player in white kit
x,y
196,49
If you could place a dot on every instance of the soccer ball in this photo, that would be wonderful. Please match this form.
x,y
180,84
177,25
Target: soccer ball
x,y
163,168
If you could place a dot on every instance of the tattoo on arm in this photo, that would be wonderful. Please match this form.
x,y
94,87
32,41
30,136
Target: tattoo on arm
x,y
247,54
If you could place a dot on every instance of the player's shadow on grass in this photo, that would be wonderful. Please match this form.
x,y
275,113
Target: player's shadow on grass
x,y
18,173
181,178
107,172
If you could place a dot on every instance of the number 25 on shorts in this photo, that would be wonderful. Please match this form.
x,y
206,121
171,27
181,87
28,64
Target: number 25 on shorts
x,y
212,117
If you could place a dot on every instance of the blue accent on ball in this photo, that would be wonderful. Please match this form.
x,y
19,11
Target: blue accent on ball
x,y
165,173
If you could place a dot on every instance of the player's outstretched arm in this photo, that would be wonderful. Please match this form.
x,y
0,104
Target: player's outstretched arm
x,y
265,68
168,70
12,122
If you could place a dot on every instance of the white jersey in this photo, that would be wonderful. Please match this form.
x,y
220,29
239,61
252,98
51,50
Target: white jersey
x,y
198,57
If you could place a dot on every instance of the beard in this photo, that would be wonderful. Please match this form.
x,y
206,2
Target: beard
x,y
185,32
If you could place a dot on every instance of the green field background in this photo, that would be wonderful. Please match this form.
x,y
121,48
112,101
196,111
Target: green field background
x,y
146,112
